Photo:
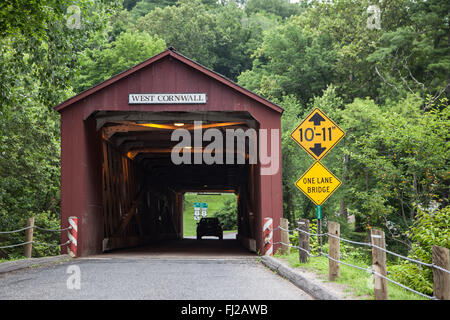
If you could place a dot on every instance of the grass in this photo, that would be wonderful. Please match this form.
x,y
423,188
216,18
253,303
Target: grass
x,y
12,259
215,202
359,283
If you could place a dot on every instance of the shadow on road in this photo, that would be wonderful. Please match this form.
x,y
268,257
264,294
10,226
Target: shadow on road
x,y
208,247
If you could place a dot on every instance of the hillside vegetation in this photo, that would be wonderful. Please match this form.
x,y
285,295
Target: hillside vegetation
x,y
379,69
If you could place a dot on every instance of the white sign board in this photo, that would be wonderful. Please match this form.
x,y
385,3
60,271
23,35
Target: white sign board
x,y
167,98
197,213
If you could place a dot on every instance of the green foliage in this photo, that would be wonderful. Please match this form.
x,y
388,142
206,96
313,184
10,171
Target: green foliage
x,y
48,240
385,87
330,42
293,158
414,56
413,276
129,4
219,37
216,203
358,283
291,60
281,8
141,8
431,228
38,61
126,51
188,27
398,158
39,49
345,21
227,215
29,165
234,40
32,18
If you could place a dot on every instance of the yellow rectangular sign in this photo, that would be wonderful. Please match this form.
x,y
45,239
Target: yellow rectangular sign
x,y
317,134
318,183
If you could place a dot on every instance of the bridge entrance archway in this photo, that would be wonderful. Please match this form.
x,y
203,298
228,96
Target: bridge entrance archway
x,y
134,144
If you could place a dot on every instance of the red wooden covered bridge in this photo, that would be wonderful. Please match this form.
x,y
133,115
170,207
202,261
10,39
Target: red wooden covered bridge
x,y
117,172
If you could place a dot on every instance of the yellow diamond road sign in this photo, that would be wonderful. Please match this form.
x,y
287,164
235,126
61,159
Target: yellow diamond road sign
x,y
317,134
318,183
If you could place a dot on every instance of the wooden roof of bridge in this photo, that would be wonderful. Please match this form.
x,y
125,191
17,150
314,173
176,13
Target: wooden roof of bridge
x,y
170,52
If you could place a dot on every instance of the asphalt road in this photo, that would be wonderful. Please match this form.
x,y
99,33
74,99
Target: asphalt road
x,y
179,270
155,279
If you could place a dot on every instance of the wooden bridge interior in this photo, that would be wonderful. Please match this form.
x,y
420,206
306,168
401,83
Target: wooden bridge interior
x,y
142,188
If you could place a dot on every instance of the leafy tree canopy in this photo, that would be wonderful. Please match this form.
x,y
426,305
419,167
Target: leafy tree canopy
x,y
129,49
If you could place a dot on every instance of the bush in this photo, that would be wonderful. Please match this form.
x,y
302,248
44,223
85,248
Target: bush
x,y
48,241
414,276
347,251
431,228
227,215
313,243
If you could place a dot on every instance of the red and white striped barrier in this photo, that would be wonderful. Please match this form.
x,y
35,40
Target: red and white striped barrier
x,y
268,236
72,234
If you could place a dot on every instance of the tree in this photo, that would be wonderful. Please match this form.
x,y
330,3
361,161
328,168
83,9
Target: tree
x,y
43,45
294,160
218,37
227,215
141,8
188,27
291,60
29,18
129,49
282,8
234,41
38,60
414,57
398,158
337,45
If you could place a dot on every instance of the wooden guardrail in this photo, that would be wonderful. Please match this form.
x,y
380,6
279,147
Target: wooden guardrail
x,y
440,258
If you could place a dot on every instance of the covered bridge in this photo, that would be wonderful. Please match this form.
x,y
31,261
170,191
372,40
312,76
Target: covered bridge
x,y
118,174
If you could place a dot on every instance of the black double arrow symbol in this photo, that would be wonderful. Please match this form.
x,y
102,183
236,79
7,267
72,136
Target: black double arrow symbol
x,y
317,119
318,149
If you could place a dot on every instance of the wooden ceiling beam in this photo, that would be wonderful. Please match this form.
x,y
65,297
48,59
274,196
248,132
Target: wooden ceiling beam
x,y
103,117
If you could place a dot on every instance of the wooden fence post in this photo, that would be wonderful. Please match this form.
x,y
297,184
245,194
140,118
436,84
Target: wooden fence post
x,y
441,279
303,240
334,250
379,264
29,237
284,224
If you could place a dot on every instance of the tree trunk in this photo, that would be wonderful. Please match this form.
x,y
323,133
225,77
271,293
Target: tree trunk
x,y
343,210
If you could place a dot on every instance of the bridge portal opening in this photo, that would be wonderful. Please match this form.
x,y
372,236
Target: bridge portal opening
x,y
148,195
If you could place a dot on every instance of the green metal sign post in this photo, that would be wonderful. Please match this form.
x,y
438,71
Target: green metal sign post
x,y
319,225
